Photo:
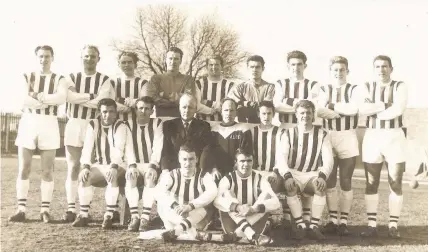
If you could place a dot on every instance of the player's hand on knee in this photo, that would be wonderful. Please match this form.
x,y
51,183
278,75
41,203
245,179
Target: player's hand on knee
x,y
131,174
111,175
320,184
273,178
84,175
290,184
243,210
151,176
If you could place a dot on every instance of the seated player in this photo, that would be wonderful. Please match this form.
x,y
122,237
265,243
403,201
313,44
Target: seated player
x,y
147,140
305,161
244,200
110,139
184,197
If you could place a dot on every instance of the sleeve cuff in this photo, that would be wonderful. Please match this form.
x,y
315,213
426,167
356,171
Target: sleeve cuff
x,y
261,208
91,96
114,166
330,106
151,165
289,101
192,206
287,175
86,166
174,204
322,175
233,207
133,165
387,105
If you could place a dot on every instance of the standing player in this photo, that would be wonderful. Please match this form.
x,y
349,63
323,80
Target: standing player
x,y
249,94
184,196
213,89
167,88
85,90
111,141
244,199
384,141
287,93
128,87
147,140
305,161
339,99
38,128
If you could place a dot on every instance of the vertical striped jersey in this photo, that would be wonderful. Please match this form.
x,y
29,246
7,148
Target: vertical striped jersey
x,y
246,190
265,143
212,92
343,94
128,88
42,83
186,189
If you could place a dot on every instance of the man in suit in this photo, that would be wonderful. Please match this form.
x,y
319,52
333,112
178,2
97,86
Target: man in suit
x,y
186,129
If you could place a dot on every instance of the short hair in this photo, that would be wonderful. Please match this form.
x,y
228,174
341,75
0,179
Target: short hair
x,y
44,47
215,57
187,147
93,47
305,104
176,50
339,60
243,151
106,102
267,104
256,58
133,55
383,57
297,55
223,101
146,99
190,97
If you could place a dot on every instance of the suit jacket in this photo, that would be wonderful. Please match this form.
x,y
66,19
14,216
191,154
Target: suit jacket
x,y
198,136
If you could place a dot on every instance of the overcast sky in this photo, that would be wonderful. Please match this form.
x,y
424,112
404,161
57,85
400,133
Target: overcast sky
x,y
358,30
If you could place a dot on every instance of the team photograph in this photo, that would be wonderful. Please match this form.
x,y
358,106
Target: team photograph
x,y
206,128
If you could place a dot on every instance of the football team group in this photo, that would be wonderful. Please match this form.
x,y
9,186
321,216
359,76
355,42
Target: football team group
x,y
211,151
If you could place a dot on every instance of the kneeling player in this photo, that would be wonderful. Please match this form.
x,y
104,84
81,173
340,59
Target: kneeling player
x,y
184,198
244,200
303,149
110,139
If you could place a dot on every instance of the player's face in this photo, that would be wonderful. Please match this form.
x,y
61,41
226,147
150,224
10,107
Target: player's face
x,y
214,67
127,65
266,115
187,162
144,110
45,58
90,58
173,61
256,69
228,112
338,72
244,165
108,115
187,108
296,67
382,70
305,116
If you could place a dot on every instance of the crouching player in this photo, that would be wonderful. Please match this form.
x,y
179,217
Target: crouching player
x,y
244,200
305,161
184,198
109,138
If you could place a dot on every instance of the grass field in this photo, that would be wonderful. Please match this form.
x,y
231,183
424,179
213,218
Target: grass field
x,y
37,236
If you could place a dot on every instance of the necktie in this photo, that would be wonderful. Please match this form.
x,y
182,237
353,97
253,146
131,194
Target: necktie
x,y
186,127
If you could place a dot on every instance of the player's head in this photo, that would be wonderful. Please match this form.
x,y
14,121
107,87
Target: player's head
x,y
266,112
45,55
188,106
296,63
144,107
228,111
243,162
256,66
382,65
187,159
173,59
305,112
128,62
108,111
90,56
215,65
339,69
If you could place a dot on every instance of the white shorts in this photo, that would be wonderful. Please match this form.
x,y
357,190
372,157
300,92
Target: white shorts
x,y
344,143
38,131
75,131
302,178
384,145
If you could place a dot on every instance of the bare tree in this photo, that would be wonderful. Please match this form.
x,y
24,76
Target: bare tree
x,y
160,27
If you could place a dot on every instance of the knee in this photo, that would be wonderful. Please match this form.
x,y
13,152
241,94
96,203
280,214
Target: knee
x,y
346,184
371,188
47,175
292,192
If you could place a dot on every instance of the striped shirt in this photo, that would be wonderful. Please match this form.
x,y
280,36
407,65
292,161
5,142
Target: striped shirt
x,y
128,88
147,140
385,94
265,143
111,144
333,96
97,84
48,85
212,92
287,93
